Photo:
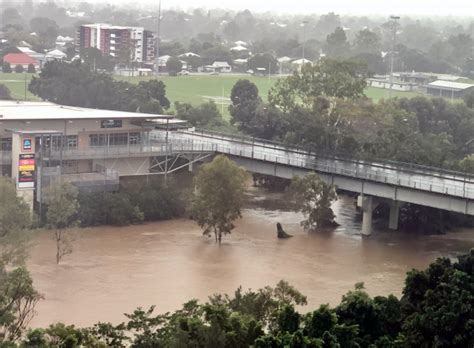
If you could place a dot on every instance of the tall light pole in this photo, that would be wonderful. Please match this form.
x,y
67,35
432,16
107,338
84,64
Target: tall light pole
x,y
392,55
158,39
304,39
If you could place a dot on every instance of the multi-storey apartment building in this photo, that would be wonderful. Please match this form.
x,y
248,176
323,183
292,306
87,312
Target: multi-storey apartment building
x,y
134,43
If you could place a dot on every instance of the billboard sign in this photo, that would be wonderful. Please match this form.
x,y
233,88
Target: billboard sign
x,y
26,171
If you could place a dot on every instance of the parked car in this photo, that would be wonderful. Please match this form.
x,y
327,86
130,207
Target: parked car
x,y
183,73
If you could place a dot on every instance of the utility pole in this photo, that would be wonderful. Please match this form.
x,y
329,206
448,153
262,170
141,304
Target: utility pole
x,y
158,39
304,39
392,55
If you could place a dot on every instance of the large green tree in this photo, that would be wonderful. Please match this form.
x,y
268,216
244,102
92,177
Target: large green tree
x,y
264,61
245,100
314,197
219,195
367,41
174,65
337,45
206,115
438,304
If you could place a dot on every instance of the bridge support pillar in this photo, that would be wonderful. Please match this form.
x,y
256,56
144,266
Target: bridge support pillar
x,y
366,203
394,215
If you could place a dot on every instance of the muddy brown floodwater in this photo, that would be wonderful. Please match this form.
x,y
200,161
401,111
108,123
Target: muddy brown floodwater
x,y
114,270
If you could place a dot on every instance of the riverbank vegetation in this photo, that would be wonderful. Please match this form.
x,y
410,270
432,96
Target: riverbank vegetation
x,y
133,203
18,297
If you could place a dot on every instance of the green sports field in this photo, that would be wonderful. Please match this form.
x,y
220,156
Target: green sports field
x,y
193,89
200,88
16,84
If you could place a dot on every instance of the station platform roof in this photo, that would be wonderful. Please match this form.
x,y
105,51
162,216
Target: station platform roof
x,y
24,111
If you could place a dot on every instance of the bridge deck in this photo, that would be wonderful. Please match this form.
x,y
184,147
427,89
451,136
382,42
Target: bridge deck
x,y
419,178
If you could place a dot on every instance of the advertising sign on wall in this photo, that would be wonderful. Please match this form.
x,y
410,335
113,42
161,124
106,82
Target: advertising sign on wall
x,y
27,144
111,124
26,171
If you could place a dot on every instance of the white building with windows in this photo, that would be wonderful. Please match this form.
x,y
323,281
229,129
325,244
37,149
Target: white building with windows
x,y
87,147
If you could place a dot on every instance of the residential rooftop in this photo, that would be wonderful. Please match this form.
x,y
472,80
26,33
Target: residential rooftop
x,y
450,85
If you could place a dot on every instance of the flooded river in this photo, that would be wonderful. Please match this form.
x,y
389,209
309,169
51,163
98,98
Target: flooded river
x,y
114,270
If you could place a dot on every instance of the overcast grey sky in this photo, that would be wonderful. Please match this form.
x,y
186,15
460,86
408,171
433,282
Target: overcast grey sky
x,y
385,7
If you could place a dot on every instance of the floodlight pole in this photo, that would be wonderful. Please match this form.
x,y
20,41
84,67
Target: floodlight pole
x,y
158,34
392,55
304,39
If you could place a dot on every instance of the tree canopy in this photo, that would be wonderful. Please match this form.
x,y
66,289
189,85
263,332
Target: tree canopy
x,y
314,197
219,195
76,85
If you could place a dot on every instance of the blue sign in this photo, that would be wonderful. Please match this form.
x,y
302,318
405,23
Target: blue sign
x,y
27,146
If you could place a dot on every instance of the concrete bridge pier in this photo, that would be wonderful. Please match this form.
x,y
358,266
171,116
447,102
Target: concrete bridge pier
x,y
394,215
367,204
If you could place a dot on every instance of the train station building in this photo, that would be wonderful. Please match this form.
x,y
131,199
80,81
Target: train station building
x,y
40,142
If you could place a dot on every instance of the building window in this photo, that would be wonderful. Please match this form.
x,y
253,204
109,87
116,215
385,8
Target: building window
x,y
115,139
134,138
118,139
97,140
70,141
5,144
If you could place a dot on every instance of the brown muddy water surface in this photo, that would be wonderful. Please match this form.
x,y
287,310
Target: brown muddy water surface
x,y
114,270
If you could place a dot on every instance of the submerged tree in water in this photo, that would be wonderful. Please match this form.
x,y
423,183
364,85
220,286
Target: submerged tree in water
x,y
313,197
219,195
62,213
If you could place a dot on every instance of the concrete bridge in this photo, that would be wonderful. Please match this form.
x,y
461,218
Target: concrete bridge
x,y
375,181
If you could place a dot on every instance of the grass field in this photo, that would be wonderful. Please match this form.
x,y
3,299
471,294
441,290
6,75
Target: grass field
x,y
194,89
16,84
198,89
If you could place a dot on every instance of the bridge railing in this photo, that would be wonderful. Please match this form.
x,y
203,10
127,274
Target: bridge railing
x,y
302,160
330,166
386,164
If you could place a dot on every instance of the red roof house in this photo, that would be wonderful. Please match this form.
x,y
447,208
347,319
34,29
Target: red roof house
x,y
20,59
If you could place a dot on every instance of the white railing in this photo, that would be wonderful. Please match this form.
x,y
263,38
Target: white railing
x,y
452,186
